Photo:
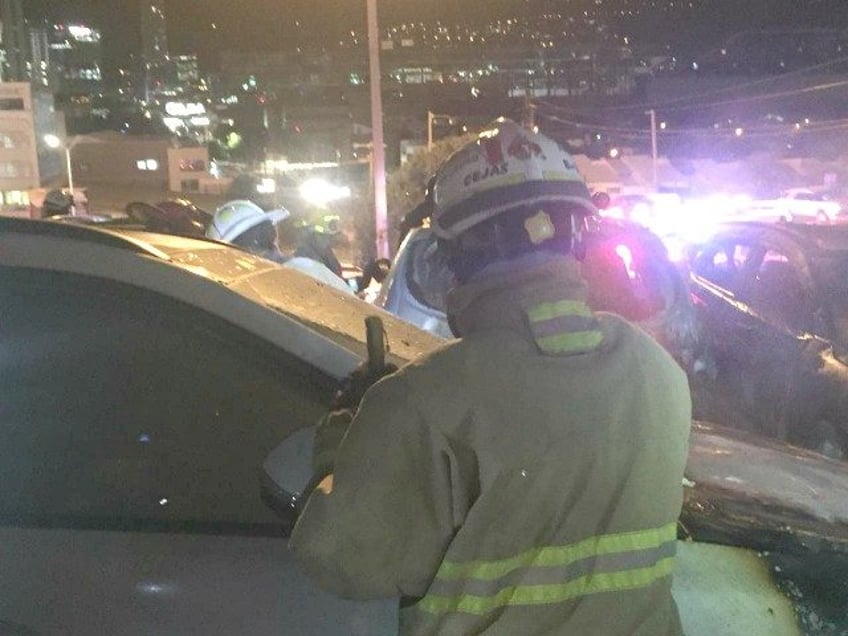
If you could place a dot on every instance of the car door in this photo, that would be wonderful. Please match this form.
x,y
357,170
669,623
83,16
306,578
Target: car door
x,y
752,301
722,272
132,432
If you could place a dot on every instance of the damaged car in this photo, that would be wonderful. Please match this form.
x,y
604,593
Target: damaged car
x,y
772,303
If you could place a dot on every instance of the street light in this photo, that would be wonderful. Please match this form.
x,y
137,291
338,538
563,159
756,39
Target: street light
x,y
53,141
431,118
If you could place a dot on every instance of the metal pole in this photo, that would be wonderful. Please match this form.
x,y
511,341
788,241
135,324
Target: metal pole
x,y
377,150
654,157
70,172
529,113
429,131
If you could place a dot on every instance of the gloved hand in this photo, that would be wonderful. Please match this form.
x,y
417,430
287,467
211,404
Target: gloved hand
x,y
355,385
328,436
333,427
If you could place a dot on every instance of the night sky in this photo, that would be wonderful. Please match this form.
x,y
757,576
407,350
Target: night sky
x,y
270,24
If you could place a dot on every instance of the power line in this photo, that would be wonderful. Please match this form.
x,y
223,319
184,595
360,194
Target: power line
x,y
680,103
792,93
773,131
730,89
755,98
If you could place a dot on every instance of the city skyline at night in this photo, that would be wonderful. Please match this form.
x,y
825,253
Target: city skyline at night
x,y
213,26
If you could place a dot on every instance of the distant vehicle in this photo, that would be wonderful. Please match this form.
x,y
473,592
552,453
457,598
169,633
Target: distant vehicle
x,y
175,216
178,216
626,266
798,205
148,379
184,210
646,209
772,302
801,204
45,202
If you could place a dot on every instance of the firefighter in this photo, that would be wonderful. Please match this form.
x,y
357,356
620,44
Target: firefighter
x,y
526,478
318,234
246,225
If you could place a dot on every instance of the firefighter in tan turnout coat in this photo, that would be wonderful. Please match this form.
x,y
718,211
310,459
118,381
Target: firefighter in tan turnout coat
x,y
526,478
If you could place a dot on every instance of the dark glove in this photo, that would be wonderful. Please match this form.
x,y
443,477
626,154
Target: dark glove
x,y
328,436
355,385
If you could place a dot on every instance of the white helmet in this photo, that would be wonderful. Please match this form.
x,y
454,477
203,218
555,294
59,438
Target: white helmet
x,y
506,168
234,218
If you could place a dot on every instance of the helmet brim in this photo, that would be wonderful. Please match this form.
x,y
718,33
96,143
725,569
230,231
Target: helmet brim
x,y
492,203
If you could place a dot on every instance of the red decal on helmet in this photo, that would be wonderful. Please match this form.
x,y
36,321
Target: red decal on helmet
x,y
522,148
492,151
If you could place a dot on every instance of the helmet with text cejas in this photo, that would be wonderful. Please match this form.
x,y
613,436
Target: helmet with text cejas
x,y
507,170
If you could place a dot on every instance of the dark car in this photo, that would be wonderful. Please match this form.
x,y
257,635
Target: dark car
x,y
772,301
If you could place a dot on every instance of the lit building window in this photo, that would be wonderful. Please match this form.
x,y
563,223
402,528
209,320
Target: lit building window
x,y
147,165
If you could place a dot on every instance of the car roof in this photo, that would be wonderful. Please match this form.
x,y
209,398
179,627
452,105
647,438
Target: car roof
x,y
812,238
293,311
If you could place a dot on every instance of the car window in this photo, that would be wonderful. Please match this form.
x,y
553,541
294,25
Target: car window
x,y
726,264
125,408
778,292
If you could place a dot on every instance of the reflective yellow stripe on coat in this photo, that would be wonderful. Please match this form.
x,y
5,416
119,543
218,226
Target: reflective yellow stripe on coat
x,y
564,327
554,574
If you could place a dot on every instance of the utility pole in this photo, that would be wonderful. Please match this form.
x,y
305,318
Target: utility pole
x,y
378,153
654,157
529,112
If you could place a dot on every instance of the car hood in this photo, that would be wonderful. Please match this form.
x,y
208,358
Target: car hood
x,y
745,490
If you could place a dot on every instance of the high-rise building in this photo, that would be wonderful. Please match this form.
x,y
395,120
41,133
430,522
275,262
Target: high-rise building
x,y
188,73
26,116
154,32
14,42
154,47
76,56
39,61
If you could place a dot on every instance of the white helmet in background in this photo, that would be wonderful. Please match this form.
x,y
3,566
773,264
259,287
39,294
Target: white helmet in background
x,y
234,218
507,168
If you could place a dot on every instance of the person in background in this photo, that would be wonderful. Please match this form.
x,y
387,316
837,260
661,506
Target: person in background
x,y
246,225
316,240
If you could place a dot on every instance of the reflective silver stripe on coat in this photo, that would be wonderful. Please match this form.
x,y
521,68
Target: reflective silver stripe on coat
x,y
554,574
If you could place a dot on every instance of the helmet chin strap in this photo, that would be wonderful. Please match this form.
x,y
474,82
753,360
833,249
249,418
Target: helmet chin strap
x,y
578,246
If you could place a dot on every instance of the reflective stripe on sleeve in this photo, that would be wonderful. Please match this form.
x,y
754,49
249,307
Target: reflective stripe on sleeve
x,y
564,326
554,574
